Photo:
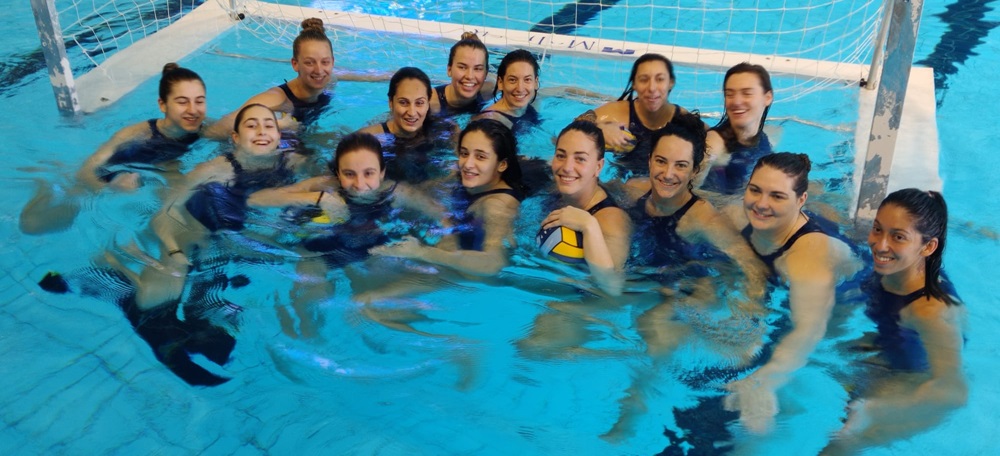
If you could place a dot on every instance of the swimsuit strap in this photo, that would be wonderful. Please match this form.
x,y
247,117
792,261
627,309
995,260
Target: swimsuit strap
x,y
809,227
602,204
442,99
155,132
497,191
385,128
237,167
288,93
639,210
512,118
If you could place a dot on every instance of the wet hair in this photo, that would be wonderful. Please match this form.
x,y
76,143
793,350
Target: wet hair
x,y
353,142
243,110
930,219
690,128
312,30
796,166
470,40
405,73
629,91
504,146
588,128
765,82
172,74
518,55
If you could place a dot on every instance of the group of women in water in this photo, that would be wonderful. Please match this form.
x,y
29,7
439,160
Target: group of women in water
x,y
448,200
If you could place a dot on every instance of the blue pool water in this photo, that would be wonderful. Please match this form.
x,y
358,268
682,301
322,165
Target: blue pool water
x,y
77,380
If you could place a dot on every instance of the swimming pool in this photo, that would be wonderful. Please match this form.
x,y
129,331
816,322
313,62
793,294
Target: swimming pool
x,y
78,380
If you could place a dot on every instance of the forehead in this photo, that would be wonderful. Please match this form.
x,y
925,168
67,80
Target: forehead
x,y
674,148
520,69
257,112
315,49
477,140
187,88
411,88
893,216
470,55
651,67
771,179
577,141
743,80
360,158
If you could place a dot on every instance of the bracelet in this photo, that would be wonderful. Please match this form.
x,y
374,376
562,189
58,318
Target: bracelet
x,y
321,193
174,252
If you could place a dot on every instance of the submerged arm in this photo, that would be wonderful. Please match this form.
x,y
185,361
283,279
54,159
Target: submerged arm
x,y
87,175
812,282
716,229
895,413
497,213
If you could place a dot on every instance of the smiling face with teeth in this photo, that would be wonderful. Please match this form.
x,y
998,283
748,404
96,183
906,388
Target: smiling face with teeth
x,y
408,106
577,164
671,167
770,202
256,131
898,249
518,84
184,108
314,64
478,163
745,99
652,85
467,71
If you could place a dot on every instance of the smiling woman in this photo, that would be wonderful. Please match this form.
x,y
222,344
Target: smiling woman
x,y
484,207
517,84
468,67
409,104
304,97
211,198
118,161
738,140
586,206
628,124
801,254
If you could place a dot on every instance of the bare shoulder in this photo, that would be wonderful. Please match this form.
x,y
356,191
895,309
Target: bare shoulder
x,y
929,309
497,204
372,129
703,218
273,98
613,220
635,188
616,110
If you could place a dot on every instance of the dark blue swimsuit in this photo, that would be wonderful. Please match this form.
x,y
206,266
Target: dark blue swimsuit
x,y
157,149
519,125
223,205
448,110
811,226
349,242
469,230
732,178
636,162
657,238
900,347
424,157
307,112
